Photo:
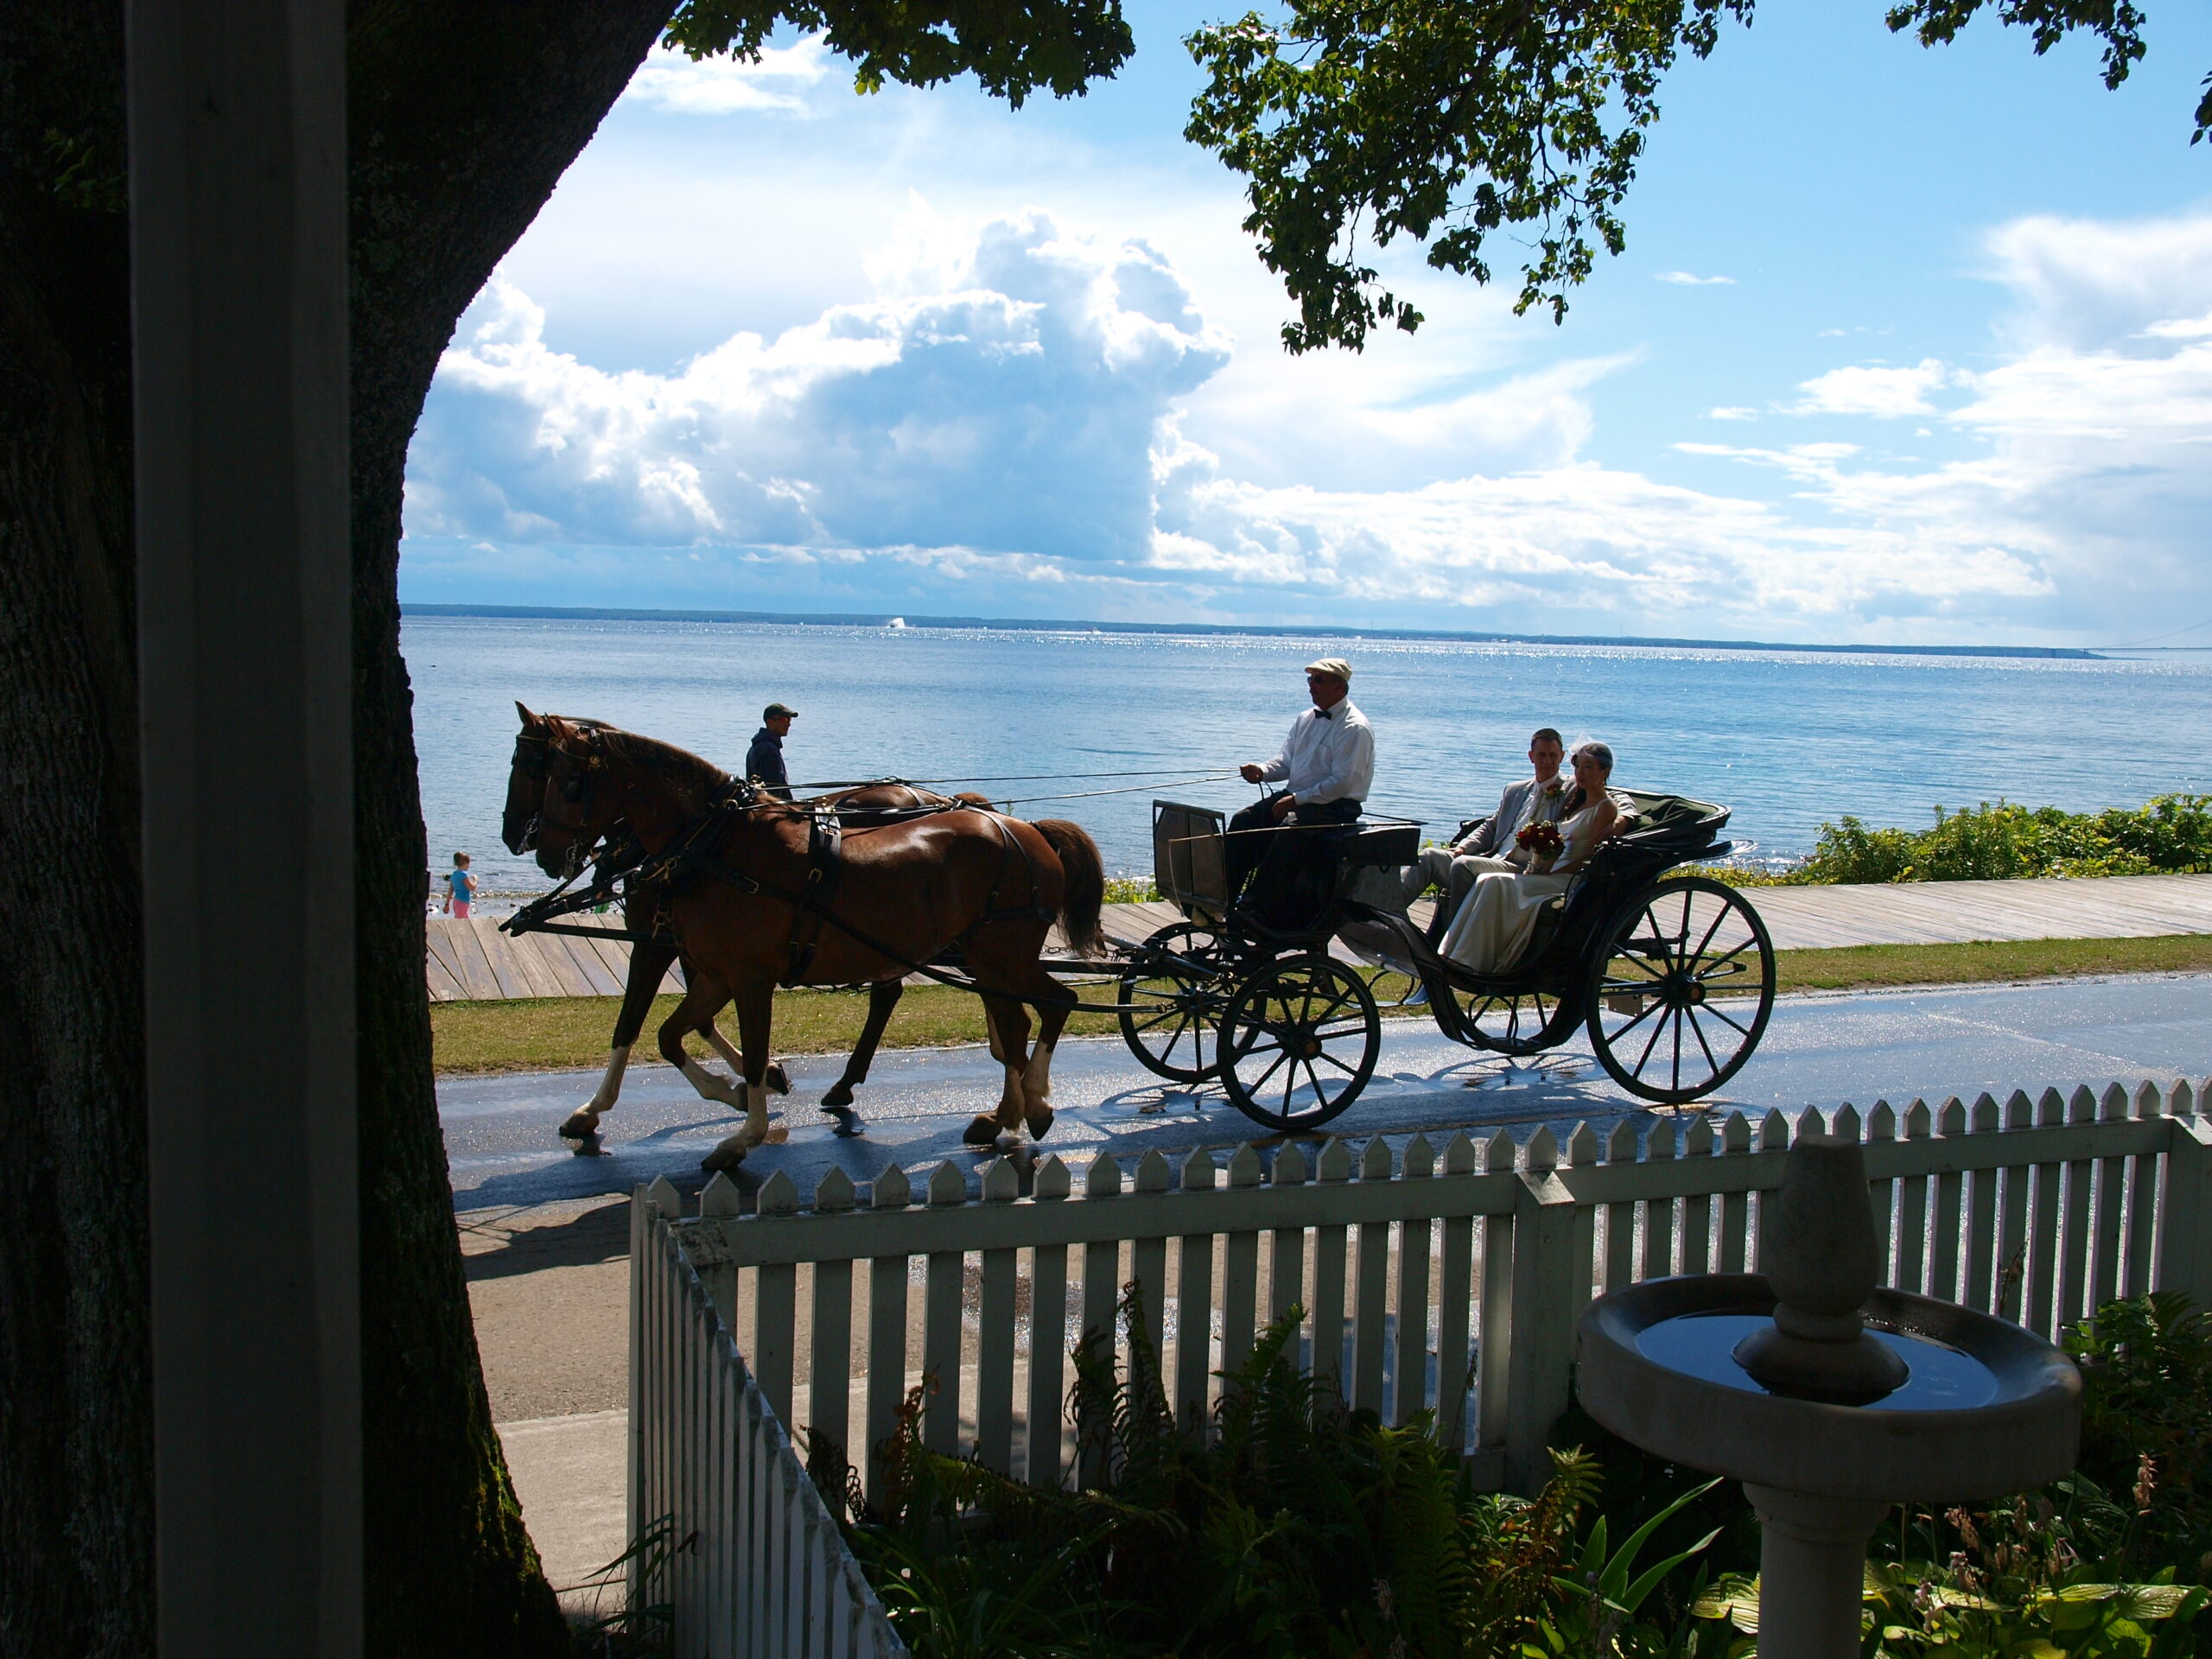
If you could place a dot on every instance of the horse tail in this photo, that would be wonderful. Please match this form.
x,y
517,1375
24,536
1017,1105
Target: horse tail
x,y
1084,892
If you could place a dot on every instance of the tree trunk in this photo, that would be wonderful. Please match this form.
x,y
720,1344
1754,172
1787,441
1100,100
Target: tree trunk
x,y
464,120
76,1447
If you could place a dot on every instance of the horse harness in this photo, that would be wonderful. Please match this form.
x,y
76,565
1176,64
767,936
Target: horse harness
x,y
812,902
688,859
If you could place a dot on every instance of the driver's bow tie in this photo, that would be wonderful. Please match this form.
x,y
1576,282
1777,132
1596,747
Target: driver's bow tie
x,y
1320,714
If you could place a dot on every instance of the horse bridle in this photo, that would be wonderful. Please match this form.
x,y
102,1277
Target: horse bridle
x,y
536,751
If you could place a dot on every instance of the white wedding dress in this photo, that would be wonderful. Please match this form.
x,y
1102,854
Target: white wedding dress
x,y
1494,923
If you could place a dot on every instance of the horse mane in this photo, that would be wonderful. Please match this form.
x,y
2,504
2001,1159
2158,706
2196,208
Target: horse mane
x,y
678,768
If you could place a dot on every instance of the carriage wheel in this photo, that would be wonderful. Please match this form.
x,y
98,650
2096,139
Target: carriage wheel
x,y
1169,1009
1516,1022
1681,990
1299,1041
1392,987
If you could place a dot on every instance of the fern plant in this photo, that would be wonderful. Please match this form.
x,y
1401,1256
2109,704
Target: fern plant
x,y
1291,1525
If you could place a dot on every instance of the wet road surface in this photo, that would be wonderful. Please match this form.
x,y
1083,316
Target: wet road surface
x,y
1820,1050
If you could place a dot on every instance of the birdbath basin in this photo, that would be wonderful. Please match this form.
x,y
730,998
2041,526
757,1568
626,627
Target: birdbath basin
x,y
1831,1400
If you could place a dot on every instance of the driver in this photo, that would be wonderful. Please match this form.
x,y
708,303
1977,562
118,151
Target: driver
x,y
1326,766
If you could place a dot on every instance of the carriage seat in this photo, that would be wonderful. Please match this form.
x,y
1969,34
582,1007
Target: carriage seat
x,y
1364,846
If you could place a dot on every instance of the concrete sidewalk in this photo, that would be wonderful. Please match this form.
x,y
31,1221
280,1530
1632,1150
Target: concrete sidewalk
x,y
572,1474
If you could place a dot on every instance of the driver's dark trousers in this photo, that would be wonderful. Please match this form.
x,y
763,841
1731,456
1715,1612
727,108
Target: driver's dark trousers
x,y
1283,864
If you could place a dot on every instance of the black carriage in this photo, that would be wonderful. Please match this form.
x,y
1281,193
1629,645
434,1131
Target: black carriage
x,y
1671,975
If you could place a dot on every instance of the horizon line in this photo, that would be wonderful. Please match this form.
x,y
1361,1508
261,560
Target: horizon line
x,y
1033,625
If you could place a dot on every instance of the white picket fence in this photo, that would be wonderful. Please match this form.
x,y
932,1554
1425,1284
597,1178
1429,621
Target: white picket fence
x,y
1447,1284
758,1566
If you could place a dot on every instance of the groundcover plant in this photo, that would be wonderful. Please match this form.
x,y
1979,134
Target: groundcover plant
x,y
1300,1527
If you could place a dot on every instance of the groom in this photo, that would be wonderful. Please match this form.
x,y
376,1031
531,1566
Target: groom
x,y
1483,846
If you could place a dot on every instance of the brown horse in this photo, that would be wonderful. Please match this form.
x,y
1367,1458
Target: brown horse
x,y
650,958
746,872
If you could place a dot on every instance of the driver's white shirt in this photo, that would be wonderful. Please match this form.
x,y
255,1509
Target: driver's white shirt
x,y
1326,757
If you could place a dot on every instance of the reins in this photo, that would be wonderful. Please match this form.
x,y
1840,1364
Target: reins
x,y
688,855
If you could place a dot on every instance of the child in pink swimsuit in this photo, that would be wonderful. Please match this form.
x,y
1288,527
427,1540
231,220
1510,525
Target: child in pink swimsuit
x,y
463,884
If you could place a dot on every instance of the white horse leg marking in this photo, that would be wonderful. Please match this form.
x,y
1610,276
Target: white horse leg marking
x,y
1011,1098
731,1150
584,1121
1037,1081
712,1086
752,1101
721,1046
1037,1084
610,1086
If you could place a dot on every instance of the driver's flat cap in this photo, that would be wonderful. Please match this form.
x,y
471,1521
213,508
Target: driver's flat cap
x,y
1335,665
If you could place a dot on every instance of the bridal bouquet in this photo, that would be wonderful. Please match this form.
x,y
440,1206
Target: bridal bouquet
x,y
1540,840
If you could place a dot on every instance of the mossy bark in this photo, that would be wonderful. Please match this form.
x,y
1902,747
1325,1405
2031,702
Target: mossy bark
x,y
463,119
76,1449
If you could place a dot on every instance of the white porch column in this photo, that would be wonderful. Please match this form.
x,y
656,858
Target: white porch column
x,y
238,195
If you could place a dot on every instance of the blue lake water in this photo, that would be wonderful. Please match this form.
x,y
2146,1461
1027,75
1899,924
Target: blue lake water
x,y
1788,739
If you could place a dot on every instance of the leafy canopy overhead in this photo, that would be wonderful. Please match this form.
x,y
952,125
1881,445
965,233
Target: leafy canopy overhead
x,y
1012,46
1360,121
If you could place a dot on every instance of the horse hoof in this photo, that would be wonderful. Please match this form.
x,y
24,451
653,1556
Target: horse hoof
x,y
580,1126
777,1079
983,1132
848,1121
727,1156
1040,1124
840,1094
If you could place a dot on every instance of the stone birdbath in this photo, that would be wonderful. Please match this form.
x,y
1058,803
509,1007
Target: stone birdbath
x,y
1830,1399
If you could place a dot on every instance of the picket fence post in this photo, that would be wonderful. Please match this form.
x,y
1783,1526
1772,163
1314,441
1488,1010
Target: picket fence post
x,y
2185,1229
1539,1372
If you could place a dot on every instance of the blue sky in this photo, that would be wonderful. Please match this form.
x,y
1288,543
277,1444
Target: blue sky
x,y
1906,346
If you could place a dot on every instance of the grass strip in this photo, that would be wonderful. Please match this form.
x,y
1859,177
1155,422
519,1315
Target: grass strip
x,y
549,1033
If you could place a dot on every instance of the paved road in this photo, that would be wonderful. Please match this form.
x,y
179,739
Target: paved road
x,y
1819,1050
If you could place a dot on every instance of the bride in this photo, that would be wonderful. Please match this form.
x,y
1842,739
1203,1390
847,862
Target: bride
x,y
1493,926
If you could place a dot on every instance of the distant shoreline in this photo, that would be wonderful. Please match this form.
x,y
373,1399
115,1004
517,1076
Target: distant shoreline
x,y
1028,625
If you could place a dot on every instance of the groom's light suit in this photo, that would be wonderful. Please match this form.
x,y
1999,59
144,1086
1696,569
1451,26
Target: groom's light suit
x,y
1484,845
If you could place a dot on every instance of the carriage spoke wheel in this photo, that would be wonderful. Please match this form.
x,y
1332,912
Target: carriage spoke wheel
x,y
1515,1022
1172,997
1299,1041
1680,993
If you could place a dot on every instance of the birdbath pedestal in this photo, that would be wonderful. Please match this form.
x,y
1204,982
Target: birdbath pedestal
x,y
1829,1399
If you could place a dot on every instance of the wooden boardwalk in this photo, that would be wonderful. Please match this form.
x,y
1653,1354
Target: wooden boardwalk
x,y
472,961
469,960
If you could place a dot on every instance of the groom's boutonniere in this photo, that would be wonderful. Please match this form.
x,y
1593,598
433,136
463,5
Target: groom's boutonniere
x,y
1555,787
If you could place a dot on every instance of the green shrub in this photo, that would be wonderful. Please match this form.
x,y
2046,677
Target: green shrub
x,y
1130,890
2004,841
2146,1426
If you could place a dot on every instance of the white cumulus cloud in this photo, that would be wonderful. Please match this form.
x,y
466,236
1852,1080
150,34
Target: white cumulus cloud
x,y
1685,279
1013,408
1873,389
723,86
1011,415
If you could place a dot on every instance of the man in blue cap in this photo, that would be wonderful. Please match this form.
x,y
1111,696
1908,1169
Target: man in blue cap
x,y
764,761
